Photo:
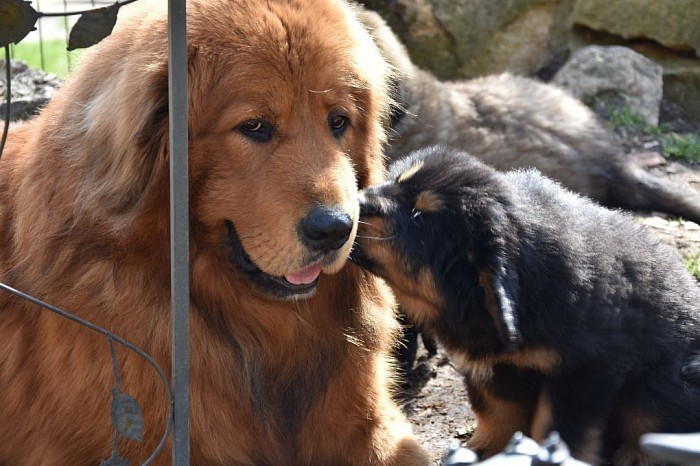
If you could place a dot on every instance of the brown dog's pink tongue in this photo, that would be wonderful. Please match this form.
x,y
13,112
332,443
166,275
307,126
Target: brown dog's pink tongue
x,y
304,277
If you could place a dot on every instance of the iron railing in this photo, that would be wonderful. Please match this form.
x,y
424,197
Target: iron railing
x,y
126,413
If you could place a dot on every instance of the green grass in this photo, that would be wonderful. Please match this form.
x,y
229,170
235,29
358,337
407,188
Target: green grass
x,y
55,57
676,146
657,130
625,118
682,146
693,265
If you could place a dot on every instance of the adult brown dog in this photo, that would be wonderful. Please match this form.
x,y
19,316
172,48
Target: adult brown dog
x,y
563,315
289,349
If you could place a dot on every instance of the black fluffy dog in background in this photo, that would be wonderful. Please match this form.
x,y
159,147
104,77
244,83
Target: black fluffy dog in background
x,y
563,315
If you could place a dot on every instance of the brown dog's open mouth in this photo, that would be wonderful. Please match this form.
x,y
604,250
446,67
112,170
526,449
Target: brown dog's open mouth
x,y
292,286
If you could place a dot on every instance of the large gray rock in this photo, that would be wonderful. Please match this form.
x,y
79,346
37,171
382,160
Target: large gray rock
x,y
614,78
467,38
673,23
30,88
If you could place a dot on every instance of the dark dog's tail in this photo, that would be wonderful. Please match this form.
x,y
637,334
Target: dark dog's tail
x,y
636,189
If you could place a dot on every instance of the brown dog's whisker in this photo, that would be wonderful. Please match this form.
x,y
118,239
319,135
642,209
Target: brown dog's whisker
x,y
372,225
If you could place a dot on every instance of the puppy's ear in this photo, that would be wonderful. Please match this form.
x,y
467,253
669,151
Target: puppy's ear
x,y
500,287
492,237
496,249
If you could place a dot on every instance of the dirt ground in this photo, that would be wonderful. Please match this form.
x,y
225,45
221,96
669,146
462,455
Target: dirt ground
x,y
434,396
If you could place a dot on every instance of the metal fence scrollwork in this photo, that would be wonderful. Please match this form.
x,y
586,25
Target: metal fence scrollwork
x,y
126,412
17,19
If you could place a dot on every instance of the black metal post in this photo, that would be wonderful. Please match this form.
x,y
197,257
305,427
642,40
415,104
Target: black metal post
x,y
179,229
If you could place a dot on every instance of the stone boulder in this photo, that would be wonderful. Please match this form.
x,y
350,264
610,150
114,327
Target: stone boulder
x,y
614,78
674,24
459,39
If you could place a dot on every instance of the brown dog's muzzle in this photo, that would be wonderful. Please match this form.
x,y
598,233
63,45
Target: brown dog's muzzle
x,y
323,232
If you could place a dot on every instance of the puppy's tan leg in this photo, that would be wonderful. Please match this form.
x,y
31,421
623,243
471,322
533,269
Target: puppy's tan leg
x,y
632,424
589,450
543,419
543,424
497,420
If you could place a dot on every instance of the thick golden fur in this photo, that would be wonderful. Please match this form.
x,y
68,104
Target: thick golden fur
x,y
84,225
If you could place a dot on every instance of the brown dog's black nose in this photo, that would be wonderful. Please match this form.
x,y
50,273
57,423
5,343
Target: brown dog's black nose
x,y
326,229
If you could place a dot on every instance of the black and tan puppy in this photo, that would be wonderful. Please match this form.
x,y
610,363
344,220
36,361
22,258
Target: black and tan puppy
x,y
563,315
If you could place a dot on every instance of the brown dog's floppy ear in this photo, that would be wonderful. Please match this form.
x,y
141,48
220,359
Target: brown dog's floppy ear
x,y
500,290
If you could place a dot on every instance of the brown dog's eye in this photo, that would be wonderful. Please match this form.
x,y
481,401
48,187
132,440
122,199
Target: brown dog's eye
x,y
338,124
253,125
257,129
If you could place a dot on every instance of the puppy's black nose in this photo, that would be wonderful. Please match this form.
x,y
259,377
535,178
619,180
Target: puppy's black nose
x,y
326,229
